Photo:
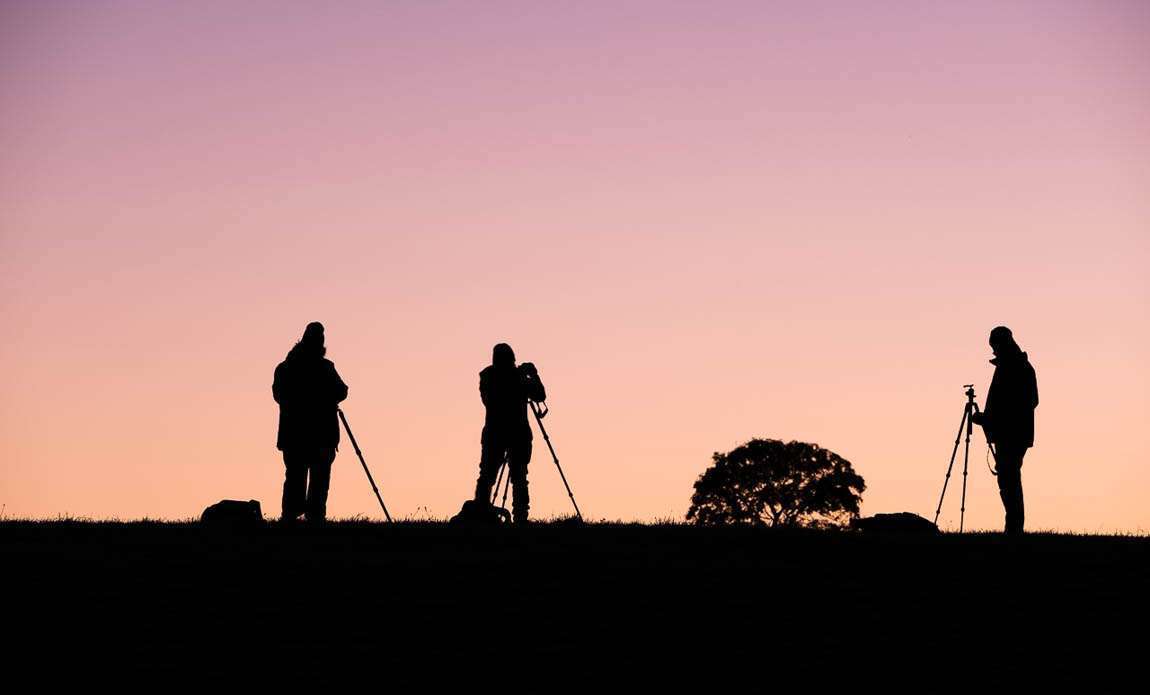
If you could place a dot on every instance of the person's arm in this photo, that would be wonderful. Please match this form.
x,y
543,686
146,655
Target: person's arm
x,y
338,388
986,417
1033,389
485,386
279,385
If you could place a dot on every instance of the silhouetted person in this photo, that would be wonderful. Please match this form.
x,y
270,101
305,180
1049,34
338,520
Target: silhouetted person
x,y
505,389
1008,420
307,387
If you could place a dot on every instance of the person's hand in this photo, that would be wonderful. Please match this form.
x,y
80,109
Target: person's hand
x,y
978,418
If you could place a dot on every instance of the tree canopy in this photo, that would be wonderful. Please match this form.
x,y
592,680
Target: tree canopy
x,y
767,482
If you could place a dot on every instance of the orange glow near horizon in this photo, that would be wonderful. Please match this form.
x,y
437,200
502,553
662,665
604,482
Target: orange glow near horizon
x,y
703,223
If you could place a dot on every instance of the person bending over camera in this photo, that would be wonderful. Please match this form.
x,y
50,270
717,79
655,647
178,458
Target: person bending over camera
x,y
505,389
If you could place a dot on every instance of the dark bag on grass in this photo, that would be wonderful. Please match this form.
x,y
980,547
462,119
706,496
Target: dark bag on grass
x,y
233,513
481,514
903,522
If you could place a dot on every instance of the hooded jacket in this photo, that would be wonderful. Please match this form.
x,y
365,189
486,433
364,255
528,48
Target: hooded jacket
x,y
1011,400
505,390
308,388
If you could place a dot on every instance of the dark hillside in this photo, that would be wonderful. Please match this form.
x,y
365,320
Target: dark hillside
x,y
664,602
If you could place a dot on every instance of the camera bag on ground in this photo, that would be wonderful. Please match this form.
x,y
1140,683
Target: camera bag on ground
x,y
234,514
903,522
481,514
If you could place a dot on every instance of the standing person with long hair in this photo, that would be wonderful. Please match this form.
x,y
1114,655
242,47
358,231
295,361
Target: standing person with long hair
x,y
308,389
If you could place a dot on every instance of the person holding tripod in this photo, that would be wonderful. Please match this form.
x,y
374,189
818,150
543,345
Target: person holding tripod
x,y
307,388
505,389
1008,420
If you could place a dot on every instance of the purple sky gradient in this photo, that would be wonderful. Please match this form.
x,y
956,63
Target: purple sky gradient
x,y
705,222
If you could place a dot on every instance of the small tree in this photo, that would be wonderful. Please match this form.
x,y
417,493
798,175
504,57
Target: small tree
x,y
768,482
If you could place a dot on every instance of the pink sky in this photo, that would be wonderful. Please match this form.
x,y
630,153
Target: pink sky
x,y
705,222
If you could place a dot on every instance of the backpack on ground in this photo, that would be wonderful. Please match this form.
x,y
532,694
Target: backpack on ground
x,y
901,523
233,513
481,514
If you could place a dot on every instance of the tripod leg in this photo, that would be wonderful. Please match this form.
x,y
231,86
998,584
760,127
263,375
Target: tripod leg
x,y
359,453
506,487
498,480
555,457
965,462
950,467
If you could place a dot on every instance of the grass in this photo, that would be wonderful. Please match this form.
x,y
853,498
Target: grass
x,y
661,600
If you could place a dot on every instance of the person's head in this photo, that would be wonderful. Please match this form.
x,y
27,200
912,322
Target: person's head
x,y
311,344
502,355
1002,341
313,334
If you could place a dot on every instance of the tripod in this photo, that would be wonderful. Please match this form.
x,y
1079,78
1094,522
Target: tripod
x,y
359,453
967,423
499,479
539,410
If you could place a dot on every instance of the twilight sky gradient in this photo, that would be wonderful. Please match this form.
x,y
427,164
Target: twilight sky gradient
x,y
704,221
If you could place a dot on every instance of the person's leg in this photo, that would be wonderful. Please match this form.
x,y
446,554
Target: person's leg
x,y
520,456
490,460
1009,459
1019,512
319,470
295,485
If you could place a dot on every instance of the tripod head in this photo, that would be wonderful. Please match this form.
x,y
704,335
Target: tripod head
x,y
971,408
971,412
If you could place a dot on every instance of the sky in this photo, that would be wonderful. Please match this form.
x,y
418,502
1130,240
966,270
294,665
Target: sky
x,y
704,222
